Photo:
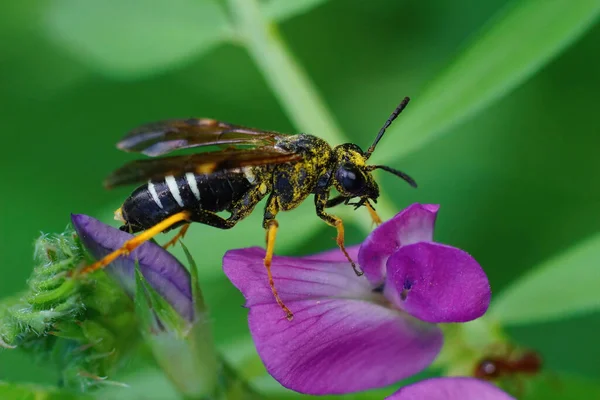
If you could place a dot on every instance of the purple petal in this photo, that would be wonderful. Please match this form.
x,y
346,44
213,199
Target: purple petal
x,y
437,283
411,225
295,278
336,255
162,271
457,388
336,346
334,333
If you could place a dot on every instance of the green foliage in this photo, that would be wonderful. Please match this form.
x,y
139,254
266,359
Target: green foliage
x,y
288,81
280,10
51,297
512,47
548,386
566,285
80,325
136,37
133,38
32,392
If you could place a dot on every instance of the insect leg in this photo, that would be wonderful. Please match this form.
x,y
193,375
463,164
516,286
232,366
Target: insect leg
x,y
214,220
320,203
373,213
337,200
179,235
138,240
271,226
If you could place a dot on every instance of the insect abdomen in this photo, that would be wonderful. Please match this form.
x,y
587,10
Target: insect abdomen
x,y
151,203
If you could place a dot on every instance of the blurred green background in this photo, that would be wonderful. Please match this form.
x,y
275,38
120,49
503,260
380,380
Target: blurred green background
x,y
517,181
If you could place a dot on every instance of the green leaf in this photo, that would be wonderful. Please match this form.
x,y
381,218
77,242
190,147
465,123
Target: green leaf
x,y
513,47
33,392
563,286
131,38
280,10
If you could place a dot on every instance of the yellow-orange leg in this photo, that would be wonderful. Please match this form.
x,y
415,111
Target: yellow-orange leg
x,y
180,235
339,225
271,235
373,213
138,240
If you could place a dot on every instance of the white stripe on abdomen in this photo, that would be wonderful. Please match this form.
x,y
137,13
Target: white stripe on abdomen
x,y
174,189
193,184
154,195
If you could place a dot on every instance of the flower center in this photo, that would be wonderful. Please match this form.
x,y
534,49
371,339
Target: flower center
x,y
405,289
378,297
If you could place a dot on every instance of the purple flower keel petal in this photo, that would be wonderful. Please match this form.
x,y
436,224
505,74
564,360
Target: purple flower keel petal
x,y
413,224
437,283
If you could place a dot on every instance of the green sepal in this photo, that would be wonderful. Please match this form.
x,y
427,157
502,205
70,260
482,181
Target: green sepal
x,y
197,298
51,296
154,311
83,325
184,349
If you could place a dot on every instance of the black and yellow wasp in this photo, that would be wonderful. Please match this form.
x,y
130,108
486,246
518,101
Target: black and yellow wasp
x,y
178,190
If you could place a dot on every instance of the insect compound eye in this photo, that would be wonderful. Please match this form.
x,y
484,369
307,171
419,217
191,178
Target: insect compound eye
x,y
351,179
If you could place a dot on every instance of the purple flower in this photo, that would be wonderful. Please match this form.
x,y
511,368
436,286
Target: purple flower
x,y
457,388
172,317
162,270
350,333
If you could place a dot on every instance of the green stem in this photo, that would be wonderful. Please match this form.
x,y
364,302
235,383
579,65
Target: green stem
x,y
290,83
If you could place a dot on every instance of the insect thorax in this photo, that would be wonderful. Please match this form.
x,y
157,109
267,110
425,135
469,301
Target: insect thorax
x,y
294,182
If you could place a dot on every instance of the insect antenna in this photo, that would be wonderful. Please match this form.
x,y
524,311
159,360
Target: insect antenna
x,y
389,121
400,174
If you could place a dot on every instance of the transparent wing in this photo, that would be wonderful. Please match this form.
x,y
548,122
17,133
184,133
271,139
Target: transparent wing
x,y
162,137
200,163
